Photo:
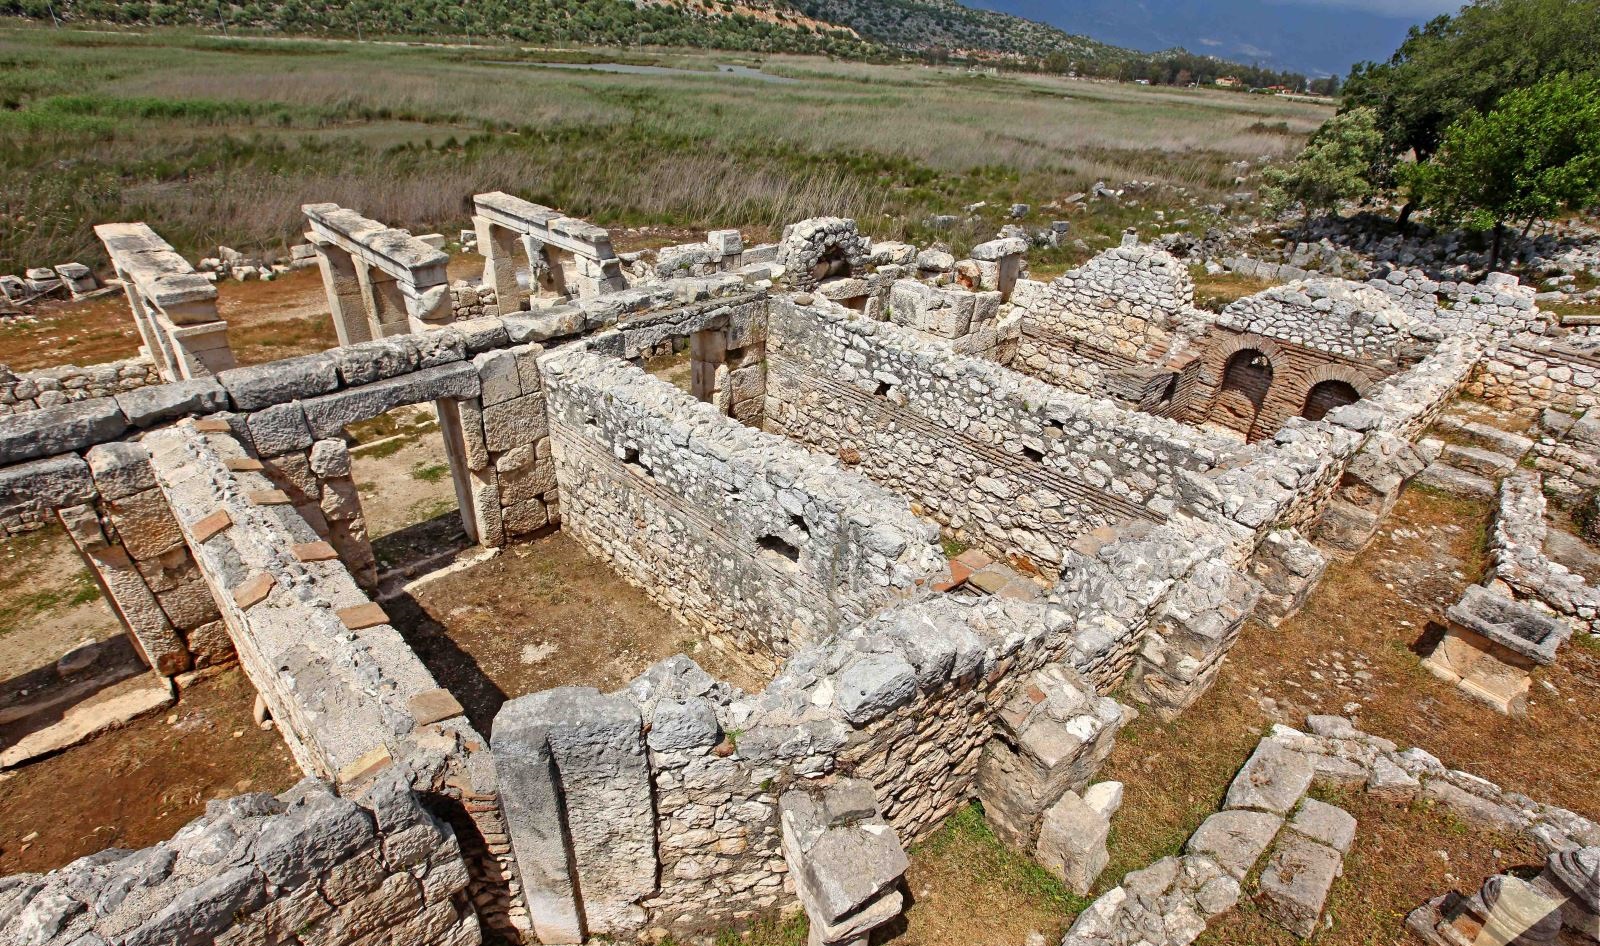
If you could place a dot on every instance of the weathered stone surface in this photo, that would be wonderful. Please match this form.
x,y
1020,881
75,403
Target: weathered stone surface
x,y
159,403
277,382
1325,824
329,414
1273,780
56,430
1072,842
1235,839
1296,880
840,850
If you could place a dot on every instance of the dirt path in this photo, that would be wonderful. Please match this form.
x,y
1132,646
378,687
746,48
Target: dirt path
x,y
134,786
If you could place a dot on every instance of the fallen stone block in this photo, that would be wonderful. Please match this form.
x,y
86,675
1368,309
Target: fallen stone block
x,y
841,852
1325,824
1072,842
1295,882
1235,839
1273,780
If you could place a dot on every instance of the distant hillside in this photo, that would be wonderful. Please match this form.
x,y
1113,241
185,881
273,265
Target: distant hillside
x,y
925,25
1307,37
847,28
754,25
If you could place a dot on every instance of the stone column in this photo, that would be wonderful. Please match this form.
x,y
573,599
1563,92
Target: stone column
x,y
345,299
499,248
708,355
154,343
575,788
387,313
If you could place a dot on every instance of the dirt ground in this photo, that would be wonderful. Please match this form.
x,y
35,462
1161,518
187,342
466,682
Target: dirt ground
x,y
49,603
541,614
134,786
404,479
1352,651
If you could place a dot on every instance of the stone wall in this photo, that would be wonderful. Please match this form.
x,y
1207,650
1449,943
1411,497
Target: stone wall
x,y
31,390
1530,373
1499,308
1003,460
1124,308
349,696
1333,316
305,866
1518,566
734,531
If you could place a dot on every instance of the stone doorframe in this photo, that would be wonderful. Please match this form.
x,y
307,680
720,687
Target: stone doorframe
x,y
566,257
380,281
174,307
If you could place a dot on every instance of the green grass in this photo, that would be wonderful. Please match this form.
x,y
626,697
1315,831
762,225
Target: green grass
x,y
215,141
430,472
20,607
967,834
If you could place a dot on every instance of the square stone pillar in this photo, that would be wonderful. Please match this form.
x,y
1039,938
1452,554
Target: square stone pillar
x,y
346,301
201,351
499,248
147,332
575,789
387,313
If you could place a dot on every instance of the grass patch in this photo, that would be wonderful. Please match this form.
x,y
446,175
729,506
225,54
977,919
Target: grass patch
x,y
968,847
1215,293
81,589
430,472
953,546
215,141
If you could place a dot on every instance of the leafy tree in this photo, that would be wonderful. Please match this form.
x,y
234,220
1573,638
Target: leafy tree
x,y
1335,166
1458,64
1532,156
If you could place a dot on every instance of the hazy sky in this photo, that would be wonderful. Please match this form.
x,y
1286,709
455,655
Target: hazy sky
x,y
1419,9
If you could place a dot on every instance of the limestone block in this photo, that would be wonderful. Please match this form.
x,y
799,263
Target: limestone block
x,y
515,422
277,382
145,523
279,429
366,362
840,851
148,406
329,414
1235,839
1325,824
1273,780
330,458
573,757
120,469
1296,880
1072,842
56,430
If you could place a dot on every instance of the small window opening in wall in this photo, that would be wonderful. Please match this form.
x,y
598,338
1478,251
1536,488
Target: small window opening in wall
x,y
1054,429
630,457
883,389
1036,456
775,548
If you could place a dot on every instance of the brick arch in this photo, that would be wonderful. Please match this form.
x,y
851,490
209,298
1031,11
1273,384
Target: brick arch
x,y
1361,382
1225,348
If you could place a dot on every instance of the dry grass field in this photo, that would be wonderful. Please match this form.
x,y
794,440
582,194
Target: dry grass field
x,y
220,141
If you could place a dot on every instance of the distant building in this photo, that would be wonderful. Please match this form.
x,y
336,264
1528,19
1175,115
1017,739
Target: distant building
x,y
1229,82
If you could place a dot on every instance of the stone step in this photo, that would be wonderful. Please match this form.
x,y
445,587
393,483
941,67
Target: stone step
x,y
1477,460
1447,479
1485,436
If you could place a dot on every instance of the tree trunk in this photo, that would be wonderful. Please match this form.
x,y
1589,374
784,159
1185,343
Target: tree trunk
x,y
1494,254
1405,215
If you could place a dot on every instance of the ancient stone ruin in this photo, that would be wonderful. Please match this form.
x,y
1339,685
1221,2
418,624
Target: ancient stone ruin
x,y
1124,479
